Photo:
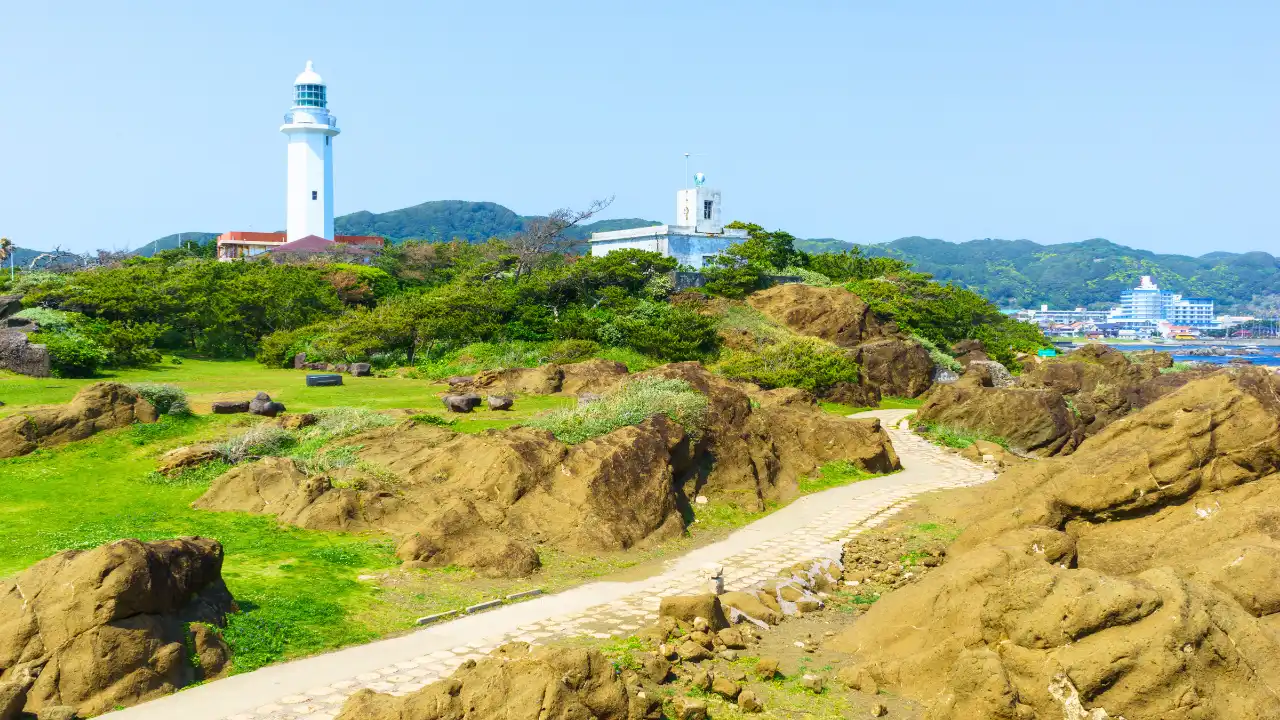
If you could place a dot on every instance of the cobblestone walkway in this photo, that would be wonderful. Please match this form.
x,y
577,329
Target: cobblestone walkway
x,y
812,527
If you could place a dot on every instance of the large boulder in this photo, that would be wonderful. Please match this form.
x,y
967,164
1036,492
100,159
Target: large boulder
x,y
832,313
457,535
517,681
20,355
1033,421
595,375
98,407
262,404
543,380
895,367
461,403
110,626
1134,577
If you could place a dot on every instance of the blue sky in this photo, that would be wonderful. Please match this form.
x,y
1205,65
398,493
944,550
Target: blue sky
x,y
1152,124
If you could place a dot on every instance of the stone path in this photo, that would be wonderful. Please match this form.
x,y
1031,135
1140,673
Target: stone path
x,y
813,526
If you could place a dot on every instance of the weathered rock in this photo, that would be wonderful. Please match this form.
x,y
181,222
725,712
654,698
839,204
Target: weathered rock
x,y
1034,421
262,404
457,535
299,361
544,380
750,702
185,457
609,493
813,683
656,668
685,608
13,697
895,367
515,682
100,406
1066,595
461,403
725,688
595,375
731,639
691,651
833,313
229,407
688,708
767,668
501,402
360,369
750,605
56,712
457,380
108,626
18,354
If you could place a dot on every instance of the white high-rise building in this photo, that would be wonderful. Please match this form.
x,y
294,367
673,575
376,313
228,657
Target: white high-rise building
x,y
311,130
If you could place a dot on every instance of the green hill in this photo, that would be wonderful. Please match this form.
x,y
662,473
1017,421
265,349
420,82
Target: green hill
x,y
1021,273
169,242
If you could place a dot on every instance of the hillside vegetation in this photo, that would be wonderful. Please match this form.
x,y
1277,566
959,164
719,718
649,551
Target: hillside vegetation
x,y
1092,273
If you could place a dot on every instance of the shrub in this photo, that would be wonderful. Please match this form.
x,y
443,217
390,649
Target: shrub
x,y
340,422
167,399
71,355
807,276
572,351
940,358
804,363
127,344
54,321
1177,368
257,442
278,348
631,404
432,419
667,332
954,437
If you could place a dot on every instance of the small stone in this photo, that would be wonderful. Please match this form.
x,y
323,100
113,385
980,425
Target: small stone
x,y
725,688
691,651
732,639
688,708
879,710
700,624
748,701
812,683
668,651
729,655
701,500
702,638
767,668
700,679
656,668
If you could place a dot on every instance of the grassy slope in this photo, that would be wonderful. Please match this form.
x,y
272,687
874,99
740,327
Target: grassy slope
x,y
300,590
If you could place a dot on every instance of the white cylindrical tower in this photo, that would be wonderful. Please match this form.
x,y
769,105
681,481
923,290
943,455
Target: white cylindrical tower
x,y
311,130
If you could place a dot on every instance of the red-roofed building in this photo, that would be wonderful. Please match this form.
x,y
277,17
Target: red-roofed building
x,y
238,245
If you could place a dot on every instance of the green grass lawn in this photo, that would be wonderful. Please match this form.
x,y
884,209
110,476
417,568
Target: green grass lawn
x,y
300,591
886,403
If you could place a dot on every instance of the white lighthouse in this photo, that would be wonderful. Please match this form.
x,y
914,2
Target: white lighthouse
x,y
311,130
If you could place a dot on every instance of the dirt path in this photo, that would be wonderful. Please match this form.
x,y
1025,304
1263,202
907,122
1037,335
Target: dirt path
x,y
813,526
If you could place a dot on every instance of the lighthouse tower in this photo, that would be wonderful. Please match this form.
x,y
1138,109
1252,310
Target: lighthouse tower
x,y
311,130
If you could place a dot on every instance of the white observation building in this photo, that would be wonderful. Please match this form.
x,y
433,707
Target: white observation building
x,y
311,130
697,235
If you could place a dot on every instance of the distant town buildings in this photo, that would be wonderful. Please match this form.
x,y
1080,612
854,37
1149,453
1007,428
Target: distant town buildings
x,y
309,198
697,235
1143,311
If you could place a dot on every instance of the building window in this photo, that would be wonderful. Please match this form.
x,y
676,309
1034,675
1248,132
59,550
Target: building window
x,y
706,209
315,194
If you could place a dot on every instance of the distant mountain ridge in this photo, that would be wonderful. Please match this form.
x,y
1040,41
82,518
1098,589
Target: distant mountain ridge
x,y
1022,273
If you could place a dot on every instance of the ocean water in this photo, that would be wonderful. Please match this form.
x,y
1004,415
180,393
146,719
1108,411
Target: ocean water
x,y
1269,354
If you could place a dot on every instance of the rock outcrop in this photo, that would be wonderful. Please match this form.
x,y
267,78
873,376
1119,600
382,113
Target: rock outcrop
x,y
1133,578
1056,402
517,681
18,354
114,625
486,500
98,407
832,314
890,363
593,375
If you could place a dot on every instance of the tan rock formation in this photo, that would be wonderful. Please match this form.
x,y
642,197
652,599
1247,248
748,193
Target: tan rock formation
x,y
100,406
109,626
